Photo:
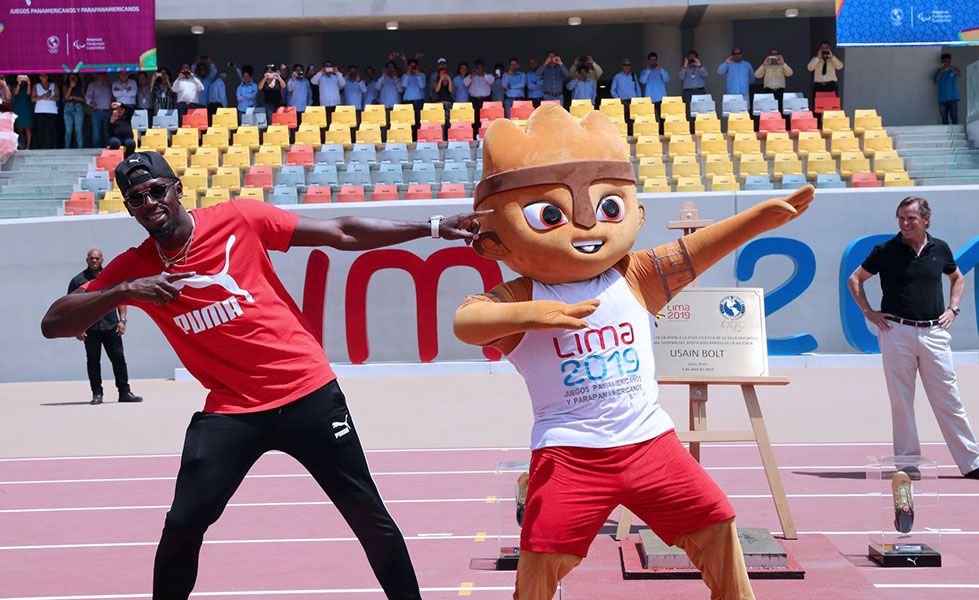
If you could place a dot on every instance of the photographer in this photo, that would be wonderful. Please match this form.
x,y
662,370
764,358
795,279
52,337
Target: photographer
x,y
694,77
187,87
553,72
247,92
444,90
163,97
654,77
583,86
479,83
594,69
773,71
271,87
330,81
300,91
947,78
738,72
514,83
354,90
824,67
388,85
413,86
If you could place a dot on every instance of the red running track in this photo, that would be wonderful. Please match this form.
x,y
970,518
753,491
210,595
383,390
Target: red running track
x,y
86,528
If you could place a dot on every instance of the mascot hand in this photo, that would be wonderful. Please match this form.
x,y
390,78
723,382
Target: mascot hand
x,y
779,211
552,314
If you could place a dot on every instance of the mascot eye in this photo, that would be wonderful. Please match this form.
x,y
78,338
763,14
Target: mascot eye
x,y
611,208
544,215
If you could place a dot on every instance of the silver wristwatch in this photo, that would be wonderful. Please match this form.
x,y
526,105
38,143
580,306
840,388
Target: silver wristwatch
x,y
955,309
435,221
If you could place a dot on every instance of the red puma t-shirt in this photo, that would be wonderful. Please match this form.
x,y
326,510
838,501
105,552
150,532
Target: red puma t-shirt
x,y
234,325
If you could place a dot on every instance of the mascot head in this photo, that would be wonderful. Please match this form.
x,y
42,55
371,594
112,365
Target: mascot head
x,y
563,196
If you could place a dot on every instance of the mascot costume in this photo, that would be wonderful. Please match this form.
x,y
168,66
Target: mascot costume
x,y
577,326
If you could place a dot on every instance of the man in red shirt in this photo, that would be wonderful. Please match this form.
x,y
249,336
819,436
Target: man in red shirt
x,y
206,279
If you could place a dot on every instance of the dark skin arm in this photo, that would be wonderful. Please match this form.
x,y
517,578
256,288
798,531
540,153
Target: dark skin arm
x,y
358,233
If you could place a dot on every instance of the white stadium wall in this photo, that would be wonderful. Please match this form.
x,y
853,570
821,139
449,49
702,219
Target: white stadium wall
x,y
41,255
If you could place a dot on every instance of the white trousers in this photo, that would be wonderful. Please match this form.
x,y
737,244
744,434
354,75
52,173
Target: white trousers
x,y
908,350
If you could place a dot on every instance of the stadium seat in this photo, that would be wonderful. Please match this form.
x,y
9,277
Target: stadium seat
x,y
752,163
611,107
238,156
330,154
458,150
690,184
490,111
876,140
793,105
897,179
656,185
706,123
177,158
194,178
253,193
681,144
432,112
460,131
259,176
684,166
314,116
810,141
430,132
462,111
247,136
399,133
452,190
863,179
269,156
777,142
825,103
835,120
284,194
820,163
309,135
285,116
362,153
718,164
675,124
581,107
338,135
166,119
745,142
154,139
521,109
786,163
843,141
791,181
356,174
648,146
739,122
228,178
227,118
763,103
346,115
351,193
829,180
140,121
853,162
672,105
645,125
724,183
482,130
403,113
758,182
276,135
206,157
422,172
426,152
803,121
195,118
368,133
216,137
186,137
317,194
96,182
390,173
455,172
374,113
733,103
384,191
711,143
641,106
394,152
419,191
887,161
80,203
112,202
108,160
291,175
770,122
214,196
651,167
324,174
703,104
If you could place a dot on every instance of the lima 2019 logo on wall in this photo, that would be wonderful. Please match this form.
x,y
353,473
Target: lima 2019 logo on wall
x,y
732,308
54,44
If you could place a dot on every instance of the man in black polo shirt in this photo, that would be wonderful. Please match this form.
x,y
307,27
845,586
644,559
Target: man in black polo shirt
x,y
106,332
913,332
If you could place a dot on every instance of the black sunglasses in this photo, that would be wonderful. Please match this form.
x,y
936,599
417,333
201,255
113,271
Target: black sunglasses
x,y
157,192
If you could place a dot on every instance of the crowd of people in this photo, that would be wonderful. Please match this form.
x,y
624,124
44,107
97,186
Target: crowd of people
x,y
38,101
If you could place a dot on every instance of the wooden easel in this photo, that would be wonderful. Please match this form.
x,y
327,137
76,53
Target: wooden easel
x,y
699,434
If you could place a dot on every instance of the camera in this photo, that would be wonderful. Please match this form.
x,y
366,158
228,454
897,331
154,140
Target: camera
x,y
773,59
24,78
329,69
825,53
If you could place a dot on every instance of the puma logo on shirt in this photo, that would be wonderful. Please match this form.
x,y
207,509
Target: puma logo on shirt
x,y
210,316
222,278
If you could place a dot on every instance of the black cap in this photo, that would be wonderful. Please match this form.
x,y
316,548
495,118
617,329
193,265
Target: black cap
x,y
152,162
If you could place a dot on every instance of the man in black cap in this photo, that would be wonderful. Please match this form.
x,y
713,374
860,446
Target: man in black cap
x,y
206,279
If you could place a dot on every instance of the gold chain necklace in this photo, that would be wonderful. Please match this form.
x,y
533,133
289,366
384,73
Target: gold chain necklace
x,y
182,253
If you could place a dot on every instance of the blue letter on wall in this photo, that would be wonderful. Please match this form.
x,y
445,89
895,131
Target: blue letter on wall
x,y
804,271
967,259
854,324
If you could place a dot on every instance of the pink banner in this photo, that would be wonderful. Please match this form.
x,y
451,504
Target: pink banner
x,y
49,36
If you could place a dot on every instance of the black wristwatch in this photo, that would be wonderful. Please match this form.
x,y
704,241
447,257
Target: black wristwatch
x,y
123,321
955,309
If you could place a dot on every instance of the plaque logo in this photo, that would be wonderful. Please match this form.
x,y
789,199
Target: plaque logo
x,y
732,308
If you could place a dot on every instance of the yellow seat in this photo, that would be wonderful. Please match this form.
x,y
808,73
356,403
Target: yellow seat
x,y
276,135
835,120
248,137
897,179
724,183
186,137
718,164
338,135
641,106
684,166
713,143
176,158
432,112
690,184
613,108
228,178
403,113
777,142
581,107
681,144
206,157
656,184
810,141
819,163
648,145
619,123
112,202
226,117
739,122
194,178
672,105
645,125
746,143
651,168
865,120
309,134
462,112
399,132
239,157
887,161
374,113
255,193
853,162
675,124
216,137
368,133
786,163
189,201
843,141
875,141
154,139
752,163
706,123
269,156
314,116
215,196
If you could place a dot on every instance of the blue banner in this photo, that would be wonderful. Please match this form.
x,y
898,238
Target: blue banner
x,y
907,22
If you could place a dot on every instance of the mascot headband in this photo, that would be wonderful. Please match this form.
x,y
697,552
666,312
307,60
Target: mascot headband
x,y
577,176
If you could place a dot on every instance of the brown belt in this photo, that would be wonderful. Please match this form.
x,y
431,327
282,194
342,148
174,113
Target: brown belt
x,y
912,322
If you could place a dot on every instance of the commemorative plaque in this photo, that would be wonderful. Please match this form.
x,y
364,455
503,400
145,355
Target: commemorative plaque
x,y
713,332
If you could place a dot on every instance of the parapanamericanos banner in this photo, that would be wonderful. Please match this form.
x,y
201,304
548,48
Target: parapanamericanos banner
x,y
50,36
907,22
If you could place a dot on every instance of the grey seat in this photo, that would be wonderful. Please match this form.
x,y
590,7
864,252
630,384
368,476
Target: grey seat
x,y
426,152
702,103
423,172
324,174
395,152
390,172
166,118
791,105
457,150
284,194
758,182
95,181
732,103
356,173
455,172
764,103
292,175
140,121
829,180
330,154
363,153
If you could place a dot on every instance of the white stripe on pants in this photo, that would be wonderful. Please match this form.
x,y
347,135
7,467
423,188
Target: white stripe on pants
x,y
908,350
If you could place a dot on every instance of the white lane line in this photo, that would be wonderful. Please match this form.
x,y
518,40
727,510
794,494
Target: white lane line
x,y
930,586
264,593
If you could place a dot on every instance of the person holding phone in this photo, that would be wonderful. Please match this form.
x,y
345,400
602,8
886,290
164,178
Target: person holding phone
x,y
271,86
23,106
823,67
737,71
694,77
163,96
74,94
45,96
773,71
330,82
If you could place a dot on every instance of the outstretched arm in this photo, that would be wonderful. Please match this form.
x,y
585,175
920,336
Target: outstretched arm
x,y
358,233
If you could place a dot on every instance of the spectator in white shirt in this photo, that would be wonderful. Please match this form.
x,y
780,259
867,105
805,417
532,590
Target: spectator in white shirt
x,y
480,84
124,91
330,82
186,87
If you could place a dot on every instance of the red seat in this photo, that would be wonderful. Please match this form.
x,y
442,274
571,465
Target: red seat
x,y
80,203
385,191
351,193
285,115
826,103
826,95
770,121
108,160
197,118
864,180
300,155
430,132
558,102
419,191
482,129
259,176
803,121
521,109
317,194
452,190
460,131
490,111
